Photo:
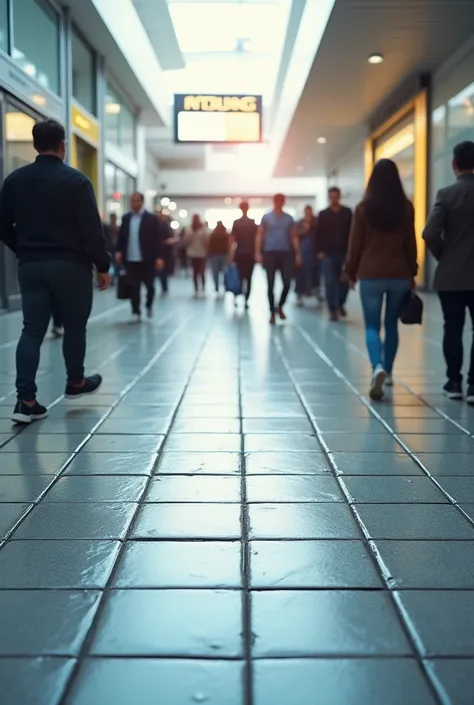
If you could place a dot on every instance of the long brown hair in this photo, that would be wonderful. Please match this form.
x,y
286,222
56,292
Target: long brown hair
x,y
385,199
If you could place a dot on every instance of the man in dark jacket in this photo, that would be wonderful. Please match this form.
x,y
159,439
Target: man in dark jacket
x,y
141,250
49,219
449,235
332,235
244,233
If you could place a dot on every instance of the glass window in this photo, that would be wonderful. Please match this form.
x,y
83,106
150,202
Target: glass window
x,y
4,25
119,186
119,123
36,41
399,144
83,74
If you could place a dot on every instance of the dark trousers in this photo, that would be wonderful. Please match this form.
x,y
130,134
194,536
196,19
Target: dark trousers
x,y
199,272
454,305
303,283
274,262
336,291
139,273
245,264
66,289
163,277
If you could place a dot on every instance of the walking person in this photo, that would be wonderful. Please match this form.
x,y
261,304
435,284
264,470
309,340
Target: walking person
x,y
49,219
277,247
332,233
111,232
243,236
382,256
306,231
196,239
449,235
169,242
218,251
140,249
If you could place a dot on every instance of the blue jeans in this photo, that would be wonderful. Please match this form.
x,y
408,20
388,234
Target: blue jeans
x,y
336,291
372,294
218,264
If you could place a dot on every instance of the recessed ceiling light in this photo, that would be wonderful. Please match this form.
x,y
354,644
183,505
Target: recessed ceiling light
x,y
321,140
375,59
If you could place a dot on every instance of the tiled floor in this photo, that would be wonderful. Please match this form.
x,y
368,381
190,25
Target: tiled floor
x,y
230,521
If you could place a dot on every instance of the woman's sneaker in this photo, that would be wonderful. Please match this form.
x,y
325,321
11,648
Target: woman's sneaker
x,y
90,386
378,379
26,413
453,390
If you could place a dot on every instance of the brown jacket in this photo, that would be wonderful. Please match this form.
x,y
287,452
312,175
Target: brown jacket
x,y
378,255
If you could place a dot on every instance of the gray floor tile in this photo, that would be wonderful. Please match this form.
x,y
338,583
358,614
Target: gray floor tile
x,y
81,426
292,463
14,488
123,682
425,427
271,410
57,564
193,411
97,489
71,520
34,681
428,564
206,425
312,564
406,412
441,620
112,464
415,521
376,464
404,490
461,489
326,623
469,509
129,411
355,424
188,521
168,564
138,426
447,444
454,677
203,442
9,515
361,443
198,488
26,464
302,521
448,464
170,623
273,442
124,444
293,488
199,464
278,425
46,443
341,681
45,622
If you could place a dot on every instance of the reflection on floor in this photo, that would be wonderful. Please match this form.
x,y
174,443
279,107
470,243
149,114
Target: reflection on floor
x,y
230,521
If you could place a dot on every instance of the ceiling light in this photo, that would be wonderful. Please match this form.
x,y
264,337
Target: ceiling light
x,y
174,224
172,206
165,201
113,108
375,59
321,140
183,213
38,99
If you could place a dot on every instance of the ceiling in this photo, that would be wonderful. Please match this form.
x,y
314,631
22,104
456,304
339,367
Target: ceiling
x,y
343,90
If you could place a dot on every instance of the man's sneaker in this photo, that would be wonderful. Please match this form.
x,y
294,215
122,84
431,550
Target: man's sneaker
x,y
389,381
281,314
378,379
333,317
343,311
470,394
453,390
136,318
149,311
272,319
90,386
26,413
57,331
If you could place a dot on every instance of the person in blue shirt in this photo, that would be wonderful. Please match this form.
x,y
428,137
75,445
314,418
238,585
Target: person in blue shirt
x,y
277,248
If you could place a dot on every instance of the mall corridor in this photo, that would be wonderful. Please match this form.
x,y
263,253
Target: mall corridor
x,y
230,521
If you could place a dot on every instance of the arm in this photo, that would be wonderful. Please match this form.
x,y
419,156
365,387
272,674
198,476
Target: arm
x,y
356,245
90,227
433,234
320,236
7,223
295,242
410,243
259,243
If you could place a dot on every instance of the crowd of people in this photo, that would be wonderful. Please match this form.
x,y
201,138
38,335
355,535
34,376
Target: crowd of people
x,y
50,220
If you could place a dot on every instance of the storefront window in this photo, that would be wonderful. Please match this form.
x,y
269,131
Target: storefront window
x,y
398,144
119,186
4,25
119,123
83,74
36,41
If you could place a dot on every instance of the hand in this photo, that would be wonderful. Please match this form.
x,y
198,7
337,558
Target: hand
x,y
103,280
160,265
298,261
320,255
344,278
118,258
352,283
258,258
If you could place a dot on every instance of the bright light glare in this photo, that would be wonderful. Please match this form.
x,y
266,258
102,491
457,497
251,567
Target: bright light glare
x,y
321,140
174,224
172,206
165,202
183,213
375,59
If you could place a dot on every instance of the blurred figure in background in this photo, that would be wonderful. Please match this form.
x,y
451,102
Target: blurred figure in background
x,y
196,241
306,231
277,247
244,233
169,242
382,255
332,233
218,251
111,232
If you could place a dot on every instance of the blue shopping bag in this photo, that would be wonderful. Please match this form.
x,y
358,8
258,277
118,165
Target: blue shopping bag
x,y
232,280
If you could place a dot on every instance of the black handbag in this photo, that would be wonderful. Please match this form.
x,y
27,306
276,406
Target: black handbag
x,y
124,290
411,311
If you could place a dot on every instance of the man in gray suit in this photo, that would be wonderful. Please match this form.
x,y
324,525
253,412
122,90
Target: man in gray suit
x,y
449,235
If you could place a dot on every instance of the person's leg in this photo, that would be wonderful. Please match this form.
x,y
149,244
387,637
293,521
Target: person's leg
x,y
147,276
396,290
343,286
134,280
469,298
330,281
202,273
371,294
37,310
195,267
269,263
248,276
214,262
286,271
454,311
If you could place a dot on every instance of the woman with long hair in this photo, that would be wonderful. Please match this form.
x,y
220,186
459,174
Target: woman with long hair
x,y
196,242
382,256
218,252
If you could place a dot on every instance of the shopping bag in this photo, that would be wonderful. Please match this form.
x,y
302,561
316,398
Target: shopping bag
x,y
124,292
411,312
232,280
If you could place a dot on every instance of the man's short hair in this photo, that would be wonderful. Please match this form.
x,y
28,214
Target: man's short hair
x,y
244,205
139,195
334,189
279,197
48,135
463,155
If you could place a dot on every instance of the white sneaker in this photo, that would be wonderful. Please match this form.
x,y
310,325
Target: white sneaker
x,y
136,318
389,381
57,331
378,379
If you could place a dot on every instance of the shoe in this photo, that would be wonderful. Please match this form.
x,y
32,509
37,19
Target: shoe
x,y
272,319
343,312
136,318
57,331
389,381
25,413
149,311
453,390
90,386
378,379
299,301
333,317
281,313
470,394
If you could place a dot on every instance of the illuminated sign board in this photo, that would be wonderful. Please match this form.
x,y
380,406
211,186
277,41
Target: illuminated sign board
x,y
218,118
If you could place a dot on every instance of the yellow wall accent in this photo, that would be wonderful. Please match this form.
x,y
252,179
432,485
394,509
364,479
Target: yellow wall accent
x,y
85,126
